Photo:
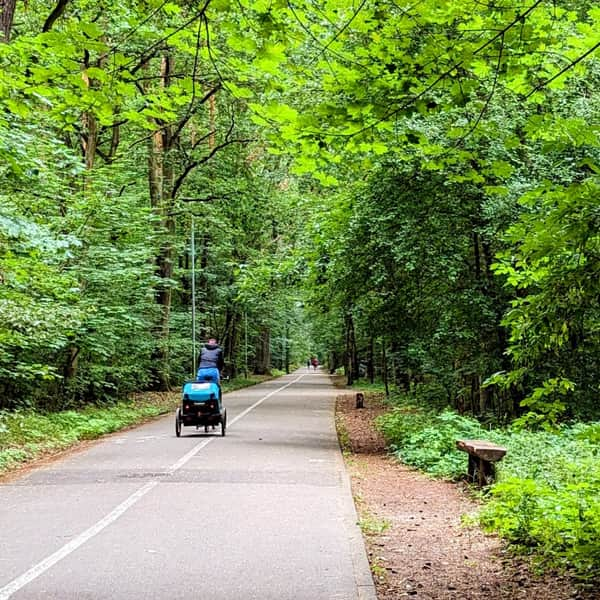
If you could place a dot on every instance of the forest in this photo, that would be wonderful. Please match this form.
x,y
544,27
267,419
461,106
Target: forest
x,y
409,191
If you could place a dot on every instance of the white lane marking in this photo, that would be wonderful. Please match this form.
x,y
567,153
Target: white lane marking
x,y
189,455
259,402
35,571
16,584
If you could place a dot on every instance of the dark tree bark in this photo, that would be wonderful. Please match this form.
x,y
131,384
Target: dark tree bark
x,y
263,352
59,9
160,179
287,351
384,368
371,360
7,13
231,340
351,362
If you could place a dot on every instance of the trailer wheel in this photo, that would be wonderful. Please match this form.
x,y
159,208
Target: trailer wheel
x,y
178,422
224,423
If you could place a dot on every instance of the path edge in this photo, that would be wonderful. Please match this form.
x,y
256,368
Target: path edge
x,y
363,578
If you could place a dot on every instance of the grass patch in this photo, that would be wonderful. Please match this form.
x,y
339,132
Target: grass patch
x,y
343,436
238,383
371,525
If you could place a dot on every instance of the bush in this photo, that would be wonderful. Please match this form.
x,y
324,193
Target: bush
x,y
547,499
427,440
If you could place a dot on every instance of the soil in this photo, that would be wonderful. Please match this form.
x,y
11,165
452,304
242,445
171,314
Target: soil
x,y
417,543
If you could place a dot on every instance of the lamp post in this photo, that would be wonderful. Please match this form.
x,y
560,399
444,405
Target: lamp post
x,y
193,299
246,344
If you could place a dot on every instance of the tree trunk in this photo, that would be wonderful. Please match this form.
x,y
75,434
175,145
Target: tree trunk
x,y
89,133
161,179
7,13
483,396
384,368
263,352
348,354
230,340
353,351
371,360
287,351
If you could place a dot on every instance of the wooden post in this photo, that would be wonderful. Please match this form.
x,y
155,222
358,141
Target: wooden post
x,y
360,400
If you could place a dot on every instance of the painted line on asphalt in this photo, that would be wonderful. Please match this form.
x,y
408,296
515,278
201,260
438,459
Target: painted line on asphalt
x,y
259,402
16,584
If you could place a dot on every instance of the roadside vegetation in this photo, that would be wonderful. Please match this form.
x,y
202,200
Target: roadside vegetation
x,y
546,500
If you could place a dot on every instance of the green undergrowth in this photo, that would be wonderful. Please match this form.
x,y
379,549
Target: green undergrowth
x,y
546,501
366,386
27,435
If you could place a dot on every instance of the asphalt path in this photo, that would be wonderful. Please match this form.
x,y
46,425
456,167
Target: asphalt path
x,y
263,513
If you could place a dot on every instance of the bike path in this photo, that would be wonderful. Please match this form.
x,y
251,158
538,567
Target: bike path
x,y
264,513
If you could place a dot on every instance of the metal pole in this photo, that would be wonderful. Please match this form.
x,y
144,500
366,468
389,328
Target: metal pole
x,y
287,349
193,299
246,344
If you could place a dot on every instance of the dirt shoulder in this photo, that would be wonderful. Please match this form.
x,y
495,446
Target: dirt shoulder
x,y
413,527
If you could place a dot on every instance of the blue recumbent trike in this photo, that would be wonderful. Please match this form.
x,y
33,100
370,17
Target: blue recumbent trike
x,y
201,405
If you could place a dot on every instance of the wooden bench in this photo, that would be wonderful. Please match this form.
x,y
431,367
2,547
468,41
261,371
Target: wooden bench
x,y
482,456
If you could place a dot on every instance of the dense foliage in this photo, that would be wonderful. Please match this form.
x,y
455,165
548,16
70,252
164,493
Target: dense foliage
x,y
546,498
462,254
459,253
119,127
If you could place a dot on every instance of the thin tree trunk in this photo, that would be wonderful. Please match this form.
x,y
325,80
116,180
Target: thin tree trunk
x,y
384,368
348,356
483,396
89,140
89,134
353,351
161,179
287,350
263,352
115,140
371,360
7,13
230,339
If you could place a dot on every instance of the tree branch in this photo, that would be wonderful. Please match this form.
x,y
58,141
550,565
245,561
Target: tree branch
x,y
564,70
59,9
191,166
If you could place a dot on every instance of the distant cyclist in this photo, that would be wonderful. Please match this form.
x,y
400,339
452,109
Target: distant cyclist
x,y
315,362
210,362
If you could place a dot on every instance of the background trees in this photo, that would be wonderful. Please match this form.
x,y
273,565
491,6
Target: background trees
x,y
436,226
474,128
117,128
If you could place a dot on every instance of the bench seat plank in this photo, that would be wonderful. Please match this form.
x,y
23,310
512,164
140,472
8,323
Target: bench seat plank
x,y
482,449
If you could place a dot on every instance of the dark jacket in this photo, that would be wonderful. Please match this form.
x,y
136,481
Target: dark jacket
x,y
211,357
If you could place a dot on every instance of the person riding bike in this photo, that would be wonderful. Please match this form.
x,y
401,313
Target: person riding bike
x,y
210,362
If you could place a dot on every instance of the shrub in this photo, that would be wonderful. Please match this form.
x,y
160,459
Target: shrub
x,y
547,499
427,439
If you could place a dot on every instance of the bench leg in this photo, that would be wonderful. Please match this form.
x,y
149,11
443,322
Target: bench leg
x,y
481,472
472,469
485,472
